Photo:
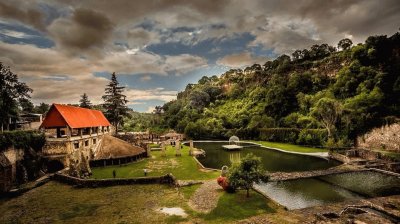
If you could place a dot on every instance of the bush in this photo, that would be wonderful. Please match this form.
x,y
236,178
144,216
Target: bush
x,y
315,137
288,135
22,140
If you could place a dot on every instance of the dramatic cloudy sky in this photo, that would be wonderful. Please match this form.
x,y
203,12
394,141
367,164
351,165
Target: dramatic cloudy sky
x,y
62,49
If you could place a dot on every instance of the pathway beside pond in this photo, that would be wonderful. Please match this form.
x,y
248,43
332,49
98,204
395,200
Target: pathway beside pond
x,y
280,176
205,199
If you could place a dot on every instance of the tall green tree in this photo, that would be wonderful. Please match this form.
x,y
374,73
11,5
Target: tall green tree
x,y
327,111
345,44
11,91
42,108
247,172
85,102
115,102
26,105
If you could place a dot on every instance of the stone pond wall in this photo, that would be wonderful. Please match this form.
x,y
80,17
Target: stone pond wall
x,y
167,179
384,138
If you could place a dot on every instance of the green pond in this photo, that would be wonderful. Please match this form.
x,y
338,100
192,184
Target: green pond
x,y
272,160
307,192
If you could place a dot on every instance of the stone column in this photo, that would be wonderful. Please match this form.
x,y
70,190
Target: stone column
x,y
163,151
178,148
191,148
148,150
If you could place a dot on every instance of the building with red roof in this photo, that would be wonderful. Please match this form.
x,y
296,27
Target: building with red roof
x,y
73,135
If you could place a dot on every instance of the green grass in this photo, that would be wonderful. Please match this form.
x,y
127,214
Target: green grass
x,y
59,203
237,206
182,167
289,147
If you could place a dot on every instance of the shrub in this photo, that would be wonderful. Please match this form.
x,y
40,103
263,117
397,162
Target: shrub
x,y
316,137
289,135
22,140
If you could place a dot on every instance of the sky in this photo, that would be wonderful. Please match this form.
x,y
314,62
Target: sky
x,y
64,48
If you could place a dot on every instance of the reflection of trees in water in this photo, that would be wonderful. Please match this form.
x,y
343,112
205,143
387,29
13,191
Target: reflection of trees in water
x,y
234,157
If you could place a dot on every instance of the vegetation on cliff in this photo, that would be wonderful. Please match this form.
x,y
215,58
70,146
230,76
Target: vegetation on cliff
x,y
327,97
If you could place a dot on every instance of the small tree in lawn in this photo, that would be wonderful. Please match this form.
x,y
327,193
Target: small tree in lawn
x,y
247,172
85,102
115,102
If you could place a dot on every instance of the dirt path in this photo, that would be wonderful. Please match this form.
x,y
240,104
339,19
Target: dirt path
x,y
206,197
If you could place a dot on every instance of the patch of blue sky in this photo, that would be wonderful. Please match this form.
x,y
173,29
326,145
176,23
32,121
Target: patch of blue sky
x,y
211,49
145,81
16,33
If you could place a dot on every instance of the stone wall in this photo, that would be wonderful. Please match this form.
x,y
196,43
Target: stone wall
x,y
167,179
384,138
14,156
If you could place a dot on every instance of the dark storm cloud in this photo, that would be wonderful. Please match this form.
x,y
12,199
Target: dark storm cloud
x,y
28,16
84,30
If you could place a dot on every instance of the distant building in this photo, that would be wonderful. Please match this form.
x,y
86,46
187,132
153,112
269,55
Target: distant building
x,y
172,136
73,135
29,121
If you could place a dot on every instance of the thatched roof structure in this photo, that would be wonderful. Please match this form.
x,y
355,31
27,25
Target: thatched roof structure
x,y
116,148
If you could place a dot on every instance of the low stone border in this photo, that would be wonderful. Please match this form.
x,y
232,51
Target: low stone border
x,y
19,191
282,176
167,179
323,155
202,166
117,160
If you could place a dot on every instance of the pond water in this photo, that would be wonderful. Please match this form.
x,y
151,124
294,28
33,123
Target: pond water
x,y
272,160
307,192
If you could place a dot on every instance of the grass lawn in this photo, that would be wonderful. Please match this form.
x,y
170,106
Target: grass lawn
x,y
236,207
289,147
182,167
60,203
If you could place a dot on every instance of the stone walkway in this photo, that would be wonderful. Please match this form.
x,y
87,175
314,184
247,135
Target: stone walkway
x,y
206,197
280,176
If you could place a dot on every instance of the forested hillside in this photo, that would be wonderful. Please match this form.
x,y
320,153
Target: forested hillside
x,y
319,96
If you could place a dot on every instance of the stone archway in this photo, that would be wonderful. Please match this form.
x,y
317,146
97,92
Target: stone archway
x,y
54,166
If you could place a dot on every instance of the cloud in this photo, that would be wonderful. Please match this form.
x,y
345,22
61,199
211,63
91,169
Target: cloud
x,y
151,94
85,30
183,63
32,17
240,60
150,109
145,78
16,34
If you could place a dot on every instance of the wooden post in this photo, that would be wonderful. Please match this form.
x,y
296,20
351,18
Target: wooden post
x,y
191,148
148,150
178,148
163,153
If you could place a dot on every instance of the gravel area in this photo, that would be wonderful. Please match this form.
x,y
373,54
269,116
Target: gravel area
x,y
206,197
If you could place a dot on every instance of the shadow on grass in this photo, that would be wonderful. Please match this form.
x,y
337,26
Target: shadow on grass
x,y
236,206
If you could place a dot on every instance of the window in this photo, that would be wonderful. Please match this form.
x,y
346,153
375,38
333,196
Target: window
x,y
94,141
76,145
87,143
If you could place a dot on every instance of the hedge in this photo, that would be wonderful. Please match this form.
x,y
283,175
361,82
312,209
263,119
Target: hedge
x,y
288,135
314,137
317,137
22,140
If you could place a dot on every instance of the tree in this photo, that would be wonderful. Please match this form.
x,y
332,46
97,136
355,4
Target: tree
x,y
115,102
345,43
327,111
11,91
26,105
247,172
199,99
85,102
42,108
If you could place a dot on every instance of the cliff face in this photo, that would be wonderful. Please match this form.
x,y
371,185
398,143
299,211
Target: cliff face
x,y
383,138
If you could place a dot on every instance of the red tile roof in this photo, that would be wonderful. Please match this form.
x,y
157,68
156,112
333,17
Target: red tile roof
x,y
75,117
